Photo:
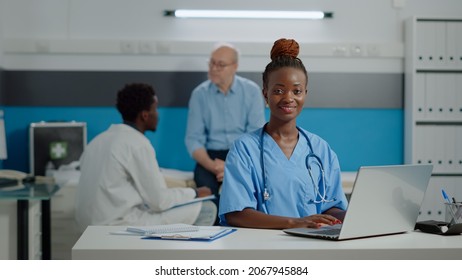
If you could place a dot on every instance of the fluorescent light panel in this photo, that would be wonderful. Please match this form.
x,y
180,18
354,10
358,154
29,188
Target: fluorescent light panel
x,y
248,14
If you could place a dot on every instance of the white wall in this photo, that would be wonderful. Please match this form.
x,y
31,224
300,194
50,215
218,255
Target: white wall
x,y
92,34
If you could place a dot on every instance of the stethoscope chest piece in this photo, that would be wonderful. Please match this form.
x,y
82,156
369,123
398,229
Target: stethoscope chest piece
x,y
266,195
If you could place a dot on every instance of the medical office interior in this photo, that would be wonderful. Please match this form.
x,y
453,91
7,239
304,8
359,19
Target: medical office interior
x,y
385,81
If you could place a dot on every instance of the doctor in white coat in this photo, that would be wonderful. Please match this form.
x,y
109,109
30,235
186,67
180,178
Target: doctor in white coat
x,y
120,182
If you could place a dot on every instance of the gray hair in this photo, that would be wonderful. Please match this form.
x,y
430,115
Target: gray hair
x,y
227,45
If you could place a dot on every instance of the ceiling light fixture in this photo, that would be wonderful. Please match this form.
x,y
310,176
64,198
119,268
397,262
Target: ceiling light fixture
x,y
248,14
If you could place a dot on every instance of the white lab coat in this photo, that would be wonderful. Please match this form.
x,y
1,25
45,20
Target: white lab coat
x,y
121,184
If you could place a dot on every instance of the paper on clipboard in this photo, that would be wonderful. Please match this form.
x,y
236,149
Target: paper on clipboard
x,y
162,229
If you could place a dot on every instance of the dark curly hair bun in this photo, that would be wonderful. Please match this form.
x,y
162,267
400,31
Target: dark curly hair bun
x,y
284,47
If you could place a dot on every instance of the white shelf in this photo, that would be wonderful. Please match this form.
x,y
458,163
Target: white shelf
x,y
433,106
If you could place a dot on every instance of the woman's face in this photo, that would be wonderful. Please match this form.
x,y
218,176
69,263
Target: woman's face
x,y
285,93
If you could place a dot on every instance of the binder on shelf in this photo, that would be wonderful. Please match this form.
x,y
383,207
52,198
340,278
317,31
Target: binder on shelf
x,y
439,96
431,38
428,144
422,47
458,93
458,42
419,96
458,160
419,145
439,59
430,96
449,146
452,29
438,148
449,96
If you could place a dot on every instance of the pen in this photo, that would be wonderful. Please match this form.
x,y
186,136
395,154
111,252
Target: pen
x,y
445,196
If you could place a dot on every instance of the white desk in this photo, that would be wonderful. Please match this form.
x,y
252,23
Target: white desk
x,y
97,243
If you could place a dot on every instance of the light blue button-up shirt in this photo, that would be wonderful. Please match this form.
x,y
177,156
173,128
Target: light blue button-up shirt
x,y
215,120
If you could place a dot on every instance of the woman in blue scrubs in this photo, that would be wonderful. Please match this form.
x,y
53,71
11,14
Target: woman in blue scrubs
x,y
282,176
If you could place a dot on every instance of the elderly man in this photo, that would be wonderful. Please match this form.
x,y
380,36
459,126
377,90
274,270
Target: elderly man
x,y
220,110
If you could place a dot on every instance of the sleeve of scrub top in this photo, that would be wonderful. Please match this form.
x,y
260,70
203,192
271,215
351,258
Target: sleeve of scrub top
x,y
195,129
238,189
150,182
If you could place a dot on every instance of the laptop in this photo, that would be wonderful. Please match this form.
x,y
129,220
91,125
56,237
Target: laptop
x,y
385,200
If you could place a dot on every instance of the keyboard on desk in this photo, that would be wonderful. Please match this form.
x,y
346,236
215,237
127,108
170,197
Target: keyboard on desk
x,y
8,182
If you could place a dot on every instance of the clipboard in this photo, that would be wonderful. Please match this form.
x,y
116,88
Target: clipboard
x,y
206,234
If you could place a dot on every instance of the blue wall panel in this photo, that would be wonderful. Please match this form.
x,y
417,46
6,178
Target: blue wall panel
x,y
359,136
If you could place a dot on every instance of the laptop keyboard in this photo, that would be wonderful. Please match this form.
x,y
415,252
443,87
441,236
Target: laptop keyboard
x,y
331,231
328,232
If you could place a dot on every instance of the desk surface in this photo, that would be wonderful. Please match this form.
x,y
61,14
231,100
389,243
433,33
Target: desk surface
x,y
30,191
97,243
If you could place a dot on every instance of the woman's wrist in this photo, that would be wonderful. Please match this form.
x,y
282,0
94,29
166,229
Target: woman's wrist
x,y
292,222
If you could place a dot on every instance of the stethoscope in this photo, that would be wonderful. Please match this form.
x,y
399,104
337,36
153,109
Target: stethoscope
x,y
320,190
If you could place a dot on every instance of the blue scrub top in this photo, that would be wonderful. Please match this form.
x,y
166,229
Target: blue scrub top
x,y
290,187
